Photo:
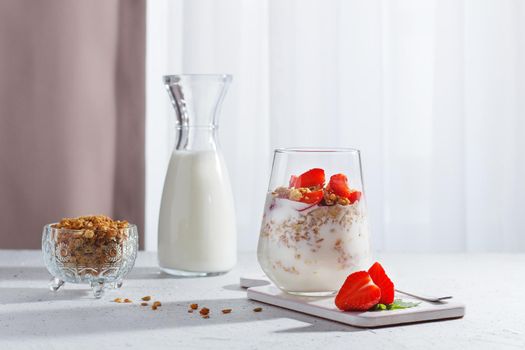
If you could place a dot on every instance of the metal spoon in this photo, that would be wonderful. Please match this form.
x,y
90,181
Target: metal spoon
x,y
261,280
432,299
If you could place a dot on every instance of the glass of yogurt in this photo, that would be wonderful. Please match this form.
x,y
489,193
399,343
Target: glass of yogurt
x,y
314,230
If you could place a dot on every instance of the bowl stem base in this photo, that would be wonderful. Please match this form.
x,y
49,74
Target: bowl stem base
x,y
55,284
98,288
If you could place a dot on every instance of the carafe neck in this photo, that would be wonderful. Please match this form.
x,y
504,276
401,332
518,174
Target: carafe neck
x,y
197,100
196,138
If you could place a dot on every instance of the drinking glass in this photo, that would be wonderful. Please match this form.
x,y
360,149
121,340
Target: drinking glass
x,y
314,235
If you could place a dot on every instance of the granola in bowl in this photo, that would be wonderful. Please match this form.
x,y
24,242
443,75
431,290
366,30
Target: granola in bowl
x,y
91,241
312,236
93,249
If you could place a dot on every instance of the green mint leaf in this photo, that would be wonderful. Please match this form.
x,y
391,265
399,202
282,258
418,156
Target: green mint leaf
x,y
398,304
379,307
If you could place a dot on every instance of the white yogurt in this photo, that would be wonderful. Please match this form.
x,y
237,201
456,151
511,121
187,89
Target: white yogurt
x,y
197,220
312,249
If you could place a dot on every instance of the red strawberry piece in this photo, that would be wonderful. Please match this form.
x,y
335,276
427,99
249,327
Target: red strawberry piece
x,y
380,278
338,184
312,178
312,197
354,196
358,293
293,180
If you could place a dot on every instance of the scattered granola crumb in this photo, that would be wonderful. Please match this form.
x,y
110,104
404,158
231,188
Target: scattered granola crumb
x,y
257,309
194,306
226,311
204,311
127,300
154,307
117,300
206,316
157,303
144,304
190,311
146,298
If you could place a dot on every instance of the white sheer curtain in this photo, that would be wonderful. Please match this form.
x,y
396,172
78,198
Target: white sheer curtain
x,y
431,91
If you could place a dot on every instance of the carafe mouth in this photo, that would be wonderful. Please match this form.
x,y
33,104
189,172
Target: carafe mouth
x,y
177,78
197,98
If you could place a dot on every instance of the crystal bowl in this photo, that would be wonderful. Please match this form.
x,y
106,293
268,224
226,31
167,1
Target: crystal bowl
x,y
99,259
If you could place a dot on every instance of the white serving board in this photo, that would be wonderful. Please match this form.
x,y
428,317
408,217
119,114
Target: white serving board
x,y
261,290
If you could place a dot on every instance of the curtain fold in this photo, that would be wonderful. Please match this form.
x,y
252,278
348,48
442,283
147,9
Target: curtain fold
x,y
71,113
430,91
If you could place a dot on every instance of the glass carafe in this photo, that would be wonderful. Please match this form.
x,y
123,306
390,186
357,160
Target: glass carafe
x,y
197,235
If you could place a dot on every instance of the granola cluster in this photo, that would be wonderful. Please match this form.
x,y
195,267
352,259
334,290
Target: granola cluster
x,y
295,194
90,241
93,226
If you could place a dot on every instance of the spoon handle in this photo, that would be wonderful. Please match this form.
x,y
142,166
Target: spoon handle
x,y
426,298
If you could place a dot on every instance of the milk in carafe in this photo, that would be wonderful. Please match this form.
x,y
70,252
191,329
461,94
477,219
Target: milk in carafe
x,y
197,234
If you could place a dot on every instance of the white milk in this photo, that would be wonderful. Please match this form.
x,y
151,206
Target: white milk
x,y
197,218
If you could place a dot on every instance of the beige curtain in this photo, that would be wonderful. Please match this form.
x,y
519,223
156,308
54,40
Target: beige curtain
x,y
71,113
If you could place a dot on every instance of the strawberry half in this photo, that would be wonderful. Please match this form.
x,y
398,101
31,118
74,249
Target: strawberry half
x,y
380,278
312,178
358,293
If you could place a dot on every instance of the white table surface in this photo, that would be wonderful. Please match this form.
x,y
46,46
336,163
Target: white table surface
x,y
32,317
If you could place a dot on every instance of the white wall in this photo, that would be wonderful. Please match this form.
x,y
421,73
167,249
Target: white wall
x,y
244,132
431,92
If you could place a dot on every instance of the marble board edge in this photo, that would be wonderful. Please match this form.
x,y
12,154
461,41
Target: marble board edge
x,y
446,311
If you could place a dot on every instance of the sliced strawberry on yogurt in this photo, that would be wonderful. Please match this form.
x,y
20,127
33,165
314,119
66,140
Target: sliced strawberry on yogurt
x,y
358,293
354,196
312,178
339,185
313,197
293,180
